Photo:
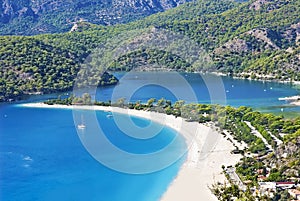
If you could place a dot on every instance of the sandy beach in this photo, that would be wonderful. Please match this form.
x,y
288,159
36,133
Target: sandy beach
x,y
296,103
192,182
208,150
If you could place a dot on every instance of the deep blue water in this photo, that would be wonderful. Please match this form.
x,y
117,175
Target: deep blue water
x,y
42,157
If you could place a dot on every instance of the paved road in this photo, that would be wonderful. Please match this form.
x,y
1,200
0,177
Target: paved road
x,y
235,178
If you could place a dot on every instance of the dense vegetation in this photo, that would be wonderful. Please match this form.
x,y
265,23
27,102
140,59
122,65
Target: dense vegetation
x,y
29,65
240,39
28,17
243,39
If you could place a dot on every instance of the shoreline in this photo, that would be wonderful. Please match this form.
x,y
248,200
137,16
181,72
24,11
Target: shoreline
x,y
261,79
297,103
208,150
216,73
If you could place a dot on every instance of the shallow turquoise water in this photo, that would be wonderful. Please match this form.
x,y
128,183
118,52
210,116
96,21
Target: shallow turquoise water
x,y
42,158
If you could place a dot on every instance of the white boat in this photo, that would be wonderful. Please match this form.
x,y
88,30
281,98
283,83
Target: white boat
x,y
81,126
109,116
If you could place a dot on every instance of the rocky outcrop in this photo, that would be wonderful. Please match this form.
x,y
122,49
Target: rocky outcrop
x,y
296,29
256,5
235,45
265,35
269,5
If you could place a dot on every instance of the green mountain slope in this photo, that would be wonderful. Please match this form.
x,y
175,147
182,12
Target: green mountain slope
x,y
262,39
28,17
255,38
29,65
251,39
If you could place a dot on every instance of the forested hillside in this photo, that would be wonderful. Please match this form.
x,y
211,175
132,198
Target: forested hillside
x,y
29,65
257,39
29,17
254,39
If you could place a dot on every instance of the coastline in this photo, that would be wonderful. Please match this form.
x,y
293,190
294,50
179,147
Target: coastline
x,y
261,79
207,152
297,103
216,73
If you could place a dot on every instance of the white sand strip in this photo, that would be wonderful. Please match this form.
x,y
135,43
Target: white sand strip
x,y
297,103
192,183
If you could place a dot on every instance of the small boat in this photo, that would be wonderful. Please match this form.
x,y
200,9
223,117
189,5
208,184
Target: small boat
x,y
81,126
109,116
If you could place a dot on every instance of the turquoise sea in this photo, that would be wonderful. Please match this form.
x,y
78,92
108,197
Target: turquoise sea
x,y
42,157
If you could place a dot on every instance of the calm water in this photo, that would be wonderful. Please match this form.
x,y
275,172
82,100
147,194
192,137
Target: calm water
x,y
262,96
42,157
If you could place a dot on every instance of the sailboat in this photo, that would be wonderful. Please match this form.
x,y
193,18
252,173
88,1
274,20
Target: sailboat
x,y
82,125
